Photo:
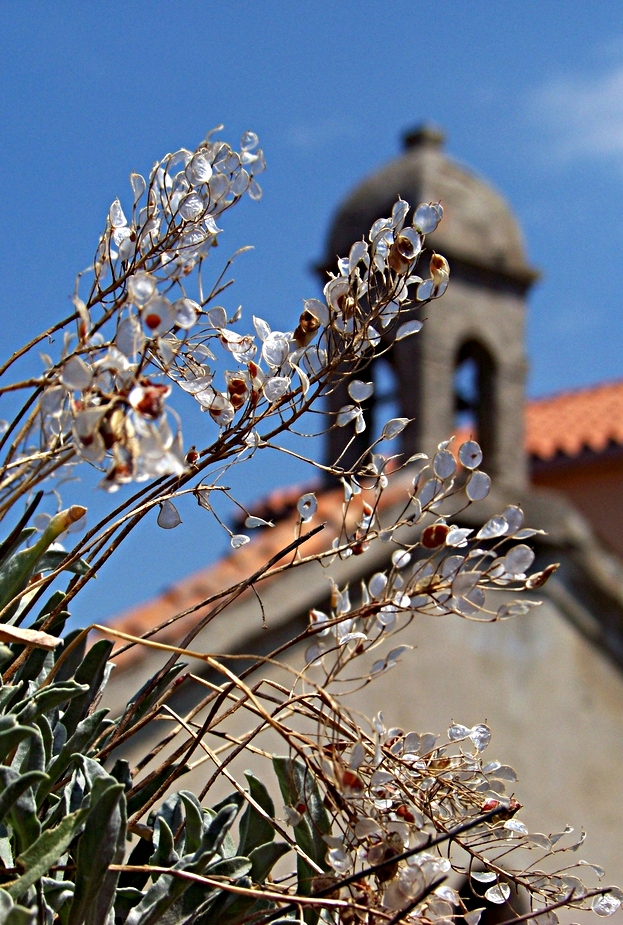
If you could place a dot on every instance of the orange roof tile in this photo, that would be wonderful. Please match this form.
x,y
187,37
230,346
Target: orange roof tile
x,y
571,422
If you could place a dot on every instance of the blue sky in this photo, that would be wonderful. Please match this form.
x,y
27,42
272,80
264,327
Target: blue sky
x,y
530,95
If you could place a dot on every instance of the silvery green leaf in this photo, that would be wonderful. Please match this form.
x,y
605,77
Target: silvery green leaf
x,y
168,516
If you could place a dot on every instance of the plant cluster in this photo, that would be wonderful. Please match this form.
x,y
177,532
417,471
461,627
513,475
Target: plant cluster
x,y
373,824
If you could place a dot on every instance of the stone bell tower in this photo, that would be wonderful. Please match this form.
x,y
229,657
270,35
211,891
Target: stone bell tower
x,y
465,370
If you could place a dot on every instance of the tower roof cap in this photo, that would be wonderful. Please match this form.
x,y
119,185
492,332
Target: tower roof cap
x,y
478,227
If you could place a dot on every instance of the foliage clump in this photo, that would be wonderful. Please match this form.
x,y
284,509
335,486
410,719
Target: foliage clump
x,y
373,824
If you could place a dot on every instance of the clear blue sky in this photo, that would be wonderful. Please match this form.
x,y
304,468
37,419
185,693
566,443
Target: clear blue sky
x,y
529,93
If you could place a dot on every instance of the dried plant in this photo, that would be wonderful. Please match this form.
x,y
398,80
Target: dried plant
x,y
378,824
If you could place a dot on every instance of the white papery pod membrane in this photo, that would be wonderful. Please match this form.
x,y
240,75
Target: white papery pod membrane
x,y
199,170
252,522
129,338
444,464
276,348
480,736
116,216
377,584
606,904
393,428
137,182
458,732
427,216
400,558
318,309
518,559
470,454
498,893
458,536
192,206
141,288
408,328
359,391
513,515
425,290
217,317
168,517
465,583
276,387
238,540
479,486
158,316
357,251
76,375
494,527
483,876
262,328
307,506
346,414
515,825
186,313
473,918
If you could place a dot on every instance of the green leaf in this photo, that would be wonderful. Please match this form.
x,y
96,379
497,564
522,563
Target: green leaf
x,y
45,699
194,821
90,672
86,733
22,810
299,789
53,558
10,914
164,854
14,785
256,829
264,857
102,843
168,889
126,898
45,851
11,734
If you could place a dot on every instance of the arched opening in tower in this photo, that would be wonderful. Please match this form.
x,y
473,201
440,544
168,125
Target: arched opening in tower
x,y
474,395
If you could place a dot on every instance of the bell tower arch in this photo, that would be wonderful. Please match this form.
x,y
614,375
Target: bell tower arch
x,y
467,365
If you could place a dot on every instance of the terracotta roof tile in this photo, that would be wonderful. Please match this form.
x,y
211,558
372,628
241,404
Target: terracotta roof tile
x,y
571,422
